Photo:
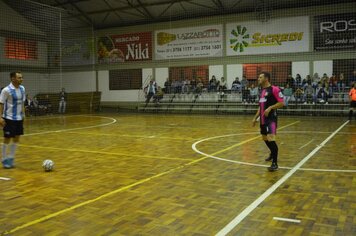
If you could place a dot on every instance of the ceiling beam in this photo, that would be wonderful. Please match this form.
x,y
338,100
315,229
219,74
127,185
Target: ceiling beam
x,y
136,7
80,19
165,10
201,5
166,2
219,4
145,9
59,4
106,2
236,3
82,13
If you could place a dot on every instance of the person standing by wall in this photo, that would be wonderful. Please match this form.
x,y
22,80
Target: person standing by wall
x,y
62,102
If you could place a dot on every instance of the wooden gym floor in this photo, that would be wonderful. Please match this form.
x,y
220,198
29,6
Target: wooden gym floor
x,y
180,175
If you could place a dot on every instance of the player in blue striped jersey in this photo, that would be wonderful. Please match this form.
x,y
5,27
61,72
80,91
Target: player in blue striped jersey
x,y
12,110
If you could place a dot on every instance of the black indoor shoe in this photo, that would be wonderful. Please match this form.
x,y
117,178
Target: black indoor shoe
x,y
273,167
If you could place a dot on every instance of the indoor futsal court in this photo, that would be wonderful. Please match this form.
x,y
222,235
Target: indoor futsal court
x,y
178,118
191,175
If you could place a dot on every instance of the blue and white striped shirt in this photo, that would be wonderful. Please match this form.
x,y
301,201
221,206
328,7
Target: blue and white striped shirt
x,y
13,100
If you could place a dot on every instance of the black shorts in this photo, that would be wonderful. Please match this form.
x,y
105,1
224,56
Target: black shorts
x,y
13,128
269,127
353,104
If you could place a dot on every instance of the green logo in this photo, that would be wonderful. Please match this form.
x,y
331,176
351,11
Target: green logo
x,y
238,43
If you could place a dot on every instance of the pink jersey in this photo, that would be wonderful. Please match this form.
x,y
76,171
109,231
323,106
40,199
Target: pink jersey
x,y
268,97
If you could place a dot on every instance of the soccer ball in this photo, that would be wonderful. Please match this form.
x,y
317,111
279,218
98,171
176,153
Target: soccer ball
x,y
48,165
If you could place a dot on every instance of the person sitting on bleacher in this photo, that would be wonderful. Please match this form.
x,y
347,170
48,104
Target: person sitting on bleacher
x,y
352,79
253,94
29,106
167,86
341,83
158,96
299,95
309,94
236,85
212,84
222,85
199,88
45,105
287,93
320,93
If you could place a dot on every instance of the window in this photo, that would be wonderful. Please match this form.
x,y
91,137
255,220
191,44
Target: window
x,y
20,49
125,79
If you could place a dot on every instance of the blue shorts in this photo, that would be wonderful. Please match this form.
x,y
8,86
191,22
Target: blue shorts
x,y
269,127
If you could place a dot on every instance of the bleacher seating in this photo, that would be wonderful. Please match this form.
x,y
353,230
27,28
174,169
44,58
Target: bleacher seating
x,y
232,103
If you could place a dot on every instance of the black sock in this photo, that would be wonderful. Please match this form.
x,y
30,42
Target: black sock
x,y
274,151
268,143
350,114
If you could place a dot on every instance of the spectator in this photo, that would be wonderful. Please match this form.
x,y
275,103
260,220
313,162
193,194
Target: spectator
x,y
287,92
212,84
244,83
245,95
333,82
236,85
309,94
167,86
298,95
352,79
324,78
341,83
222,85
62,101
45,104
186,86
298,80
193,84
315,80
200,87
158,96
320,93
328,91
150,90
290,81
29,106
253,94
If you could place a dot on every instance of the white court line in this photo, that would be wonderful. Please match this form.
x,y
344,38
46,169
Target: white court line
x,y
287,219
230,226
4,178
194,147
306,144
86,127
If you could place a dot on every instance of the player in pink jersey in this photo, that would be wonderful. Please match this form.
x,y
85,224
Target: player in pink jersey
x,y
271,98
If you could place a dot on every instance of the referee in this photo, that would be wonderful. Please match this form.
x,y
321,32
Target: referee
x,y
12,110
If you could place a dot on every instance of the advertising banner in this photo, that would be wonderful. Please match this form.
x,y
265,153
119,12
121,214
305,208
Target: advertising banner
x,y
203,41
77,52
283,35
335,32
126,47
